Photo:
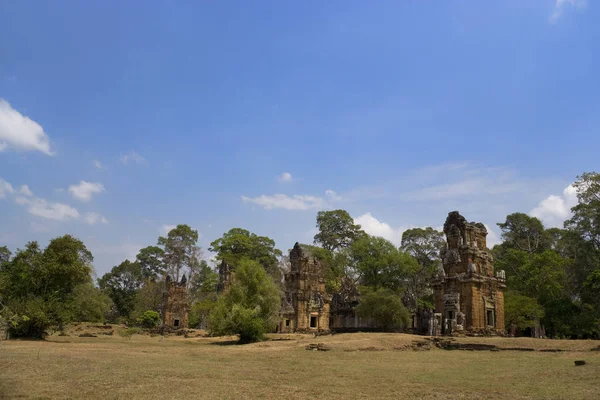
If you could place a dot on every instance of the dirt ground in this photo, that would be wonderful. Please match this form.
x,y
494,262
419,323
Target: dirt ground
x,y
351,366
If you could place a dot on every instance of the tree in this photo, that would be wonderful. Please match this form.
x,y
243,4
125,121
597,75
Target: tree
x,y
151,262
384,307
149,319
523,232
250,307
200,312
66,264
239,244
337,230
89,304
180,250
149,297
122,284
204,283
424,245
39,287
586,215
521,312
379,264
4,255
591,289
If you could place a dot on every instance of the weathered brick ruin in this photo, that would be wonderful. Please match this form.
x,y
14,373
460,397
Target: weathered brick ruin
x,y
176,305
343,310
468,295
306,303
225,276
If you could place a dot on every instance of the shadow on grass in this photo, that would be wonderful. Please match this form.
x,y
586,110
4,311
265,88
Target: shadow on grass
x,y
228,343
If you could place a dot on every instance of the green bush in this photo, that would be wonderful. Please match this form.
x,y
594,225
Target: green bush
x,y
35,318
129,332
149,319
384,307
250,307
90,304
200,312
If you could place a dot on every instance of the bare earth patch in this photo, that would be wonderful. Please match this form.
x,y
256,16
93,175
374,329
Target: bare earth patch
x,y
357,366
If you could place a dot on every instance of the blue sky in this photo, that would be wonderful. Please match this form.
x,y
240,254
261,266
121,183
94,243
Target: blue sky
x,y
122,119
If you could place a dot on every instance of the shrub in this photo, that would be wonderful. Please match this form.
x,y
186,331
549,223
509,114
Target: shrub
x,y
129,332
149,319
384,307
90,304
200,312
250,307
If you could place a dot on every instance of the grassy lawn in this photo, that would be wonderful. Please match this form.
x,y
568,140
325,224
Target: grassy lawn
x,y
358,366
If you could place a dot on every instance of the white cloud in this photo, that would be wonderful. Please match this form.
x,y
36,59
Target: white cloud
x,y
554,210
492,238
20,132
332,196
165,229
42,208
45,209
374,227
5,188
85,190
99,165
560,5
25,190
132,157
295,202
93,218
285,177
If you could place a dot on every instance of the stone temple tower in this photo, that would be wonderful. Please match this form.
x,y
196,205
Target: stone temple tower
x,y
468,294
306,305
176,305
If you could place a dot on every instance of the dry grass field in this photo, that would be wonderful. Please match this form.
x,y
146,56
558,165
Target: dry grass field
x,y
358,366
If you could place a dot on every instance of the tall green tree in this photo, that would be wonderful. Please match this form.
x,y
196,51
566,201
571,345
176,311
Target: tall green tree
x,y
250,307
525,233
151,262
521,312
149,297
89,303
204,283
238,244
38,287
181,251
337,230
379,264
203,292
424,244
5,255
122,284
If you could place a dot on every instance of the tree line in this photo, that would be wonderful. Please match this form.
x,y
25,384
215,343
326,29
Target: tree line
x,y
553,276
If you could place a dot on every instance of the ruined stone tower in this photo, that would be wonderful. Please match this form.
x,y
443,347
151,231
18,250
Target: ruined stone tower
x,y
468,294
305,307
225,277
176,305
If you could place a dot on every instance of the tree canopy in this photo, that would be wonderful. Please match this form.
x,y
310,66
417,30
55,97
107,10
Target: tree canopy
x,y
180,251
39,288
337,230
239,244
250,307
